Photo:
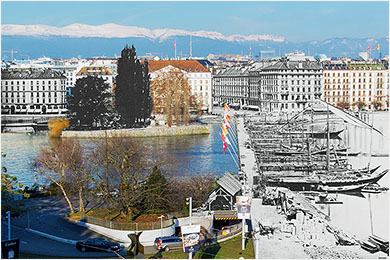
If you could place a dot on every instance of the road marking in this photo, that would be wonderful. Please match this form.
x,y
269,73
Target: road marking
x,y
23,242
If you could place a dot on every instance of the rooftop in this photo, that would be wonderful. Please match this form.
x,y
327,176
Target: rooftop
x,y
229,183
94,71
192,66
285,64
31,74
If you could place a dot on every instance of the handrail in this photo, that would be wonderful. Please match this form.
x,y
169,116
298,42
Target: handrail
x,y
133,226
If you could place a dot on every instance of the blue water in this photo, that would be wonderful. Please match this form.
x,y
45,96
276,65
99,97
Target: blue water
x,y
180,156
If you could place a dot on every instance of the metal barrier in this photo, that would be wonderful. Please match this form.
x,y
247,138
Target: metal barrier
x,y
230,231
126,226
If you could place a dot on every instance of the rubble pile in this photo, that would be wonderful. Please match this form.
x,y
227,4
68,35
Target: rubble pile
x,y
325,252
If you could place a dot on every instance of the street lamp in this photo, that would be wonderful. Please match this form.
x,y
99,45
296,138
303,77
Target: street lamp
x,y
161,217
189,202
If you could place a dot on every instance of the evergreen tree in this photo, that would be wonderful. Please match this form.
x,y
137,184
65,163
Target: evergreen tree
x,y
156,188
89,104
132,94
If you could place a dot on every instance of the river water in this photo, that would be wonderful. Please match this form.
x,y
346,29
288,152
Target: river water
x,y
203,154
187,155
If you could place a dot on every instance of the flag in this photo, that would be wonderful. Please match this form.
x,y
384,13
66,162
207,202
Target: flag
x,y
226,124
250,48
226,108
227,141
222,135
224,130
377,47
174,46
224,147
369,47
226,117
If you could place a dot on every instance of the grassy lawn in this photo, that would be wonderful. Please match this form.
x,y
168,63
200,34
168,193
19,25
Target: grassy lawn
x,y
230,249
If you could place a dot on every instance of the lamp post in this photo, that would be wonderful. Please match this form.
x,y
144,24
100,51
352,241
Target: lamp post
x,y
190,209
9,224
161,217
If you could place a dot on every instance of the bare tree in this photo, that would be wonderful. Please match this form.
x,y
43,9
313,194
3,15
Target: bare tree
x,y
119,171
62,163
172,96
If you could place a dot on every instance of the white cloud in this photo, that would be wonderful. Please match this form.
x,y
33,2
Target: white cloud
x,y
121,31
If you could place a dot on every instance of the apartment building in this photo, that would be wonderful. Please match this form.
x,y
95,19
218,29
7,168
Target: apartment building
x,y
289,85
356,85
32,91
231,85
96,71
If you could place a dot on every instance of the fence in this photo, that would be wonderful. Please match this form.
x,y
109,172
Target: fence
x,y
126,226
227,232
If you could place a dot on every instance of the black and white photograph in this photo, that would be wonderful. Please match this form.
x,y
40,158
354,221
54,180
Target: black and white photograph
x,y
264,125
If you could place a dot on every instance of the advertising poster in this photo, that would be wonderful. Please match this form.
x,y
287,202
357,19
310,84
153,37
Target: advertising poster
x,y
10,249
190,237
243,207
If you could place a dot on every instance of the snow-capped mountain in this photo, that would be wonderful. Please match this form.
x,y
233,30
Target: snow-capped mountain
x,y
121,31
109,39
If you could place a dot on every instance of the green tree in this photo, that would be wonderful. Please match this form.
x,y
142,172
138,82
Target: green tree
x,y
156,188
132,94
90,103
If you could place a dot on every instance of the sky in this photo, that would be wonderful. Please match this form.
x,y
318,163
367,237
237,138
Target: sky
x,y
295,21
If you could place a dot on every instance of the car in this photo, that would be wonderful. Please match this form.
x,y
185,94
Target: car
x,y
98,244
167,243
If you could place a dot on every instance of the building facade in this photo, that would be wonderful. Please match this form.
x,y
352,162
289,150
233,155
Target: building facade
x,y
231,85
290,85
33,91
357,85
199,78
96,71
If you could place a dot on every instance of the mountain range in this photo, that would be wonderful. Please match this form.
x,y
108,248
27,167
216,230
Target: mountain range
x,y
80,40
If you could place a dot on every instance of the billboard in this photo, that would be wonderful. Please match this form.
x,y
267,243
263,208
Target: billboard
x,y
190,238
243,207
10,249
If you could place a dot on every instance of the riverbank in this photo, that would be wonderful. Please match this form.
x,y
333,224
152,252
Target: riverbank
x,y
151,131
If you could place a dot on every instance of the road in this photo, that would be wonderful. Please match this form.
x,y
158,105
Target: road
x,y
48,217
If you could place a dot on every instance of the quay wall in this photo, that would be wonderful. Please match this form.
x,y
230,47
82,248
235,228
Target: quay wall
x,y
147,237
143,132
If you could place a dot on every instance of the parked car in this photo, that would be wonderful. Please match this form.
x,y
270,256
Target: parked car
x,y
98,244
167,243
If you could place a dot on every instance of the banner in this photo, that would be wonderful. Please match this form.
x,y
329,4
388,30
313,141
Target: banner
x,y
10,249
190,238
243,207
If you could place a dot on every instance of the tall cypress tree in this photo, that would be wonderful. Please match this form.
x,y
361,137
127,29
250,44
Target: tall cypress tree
x,y
132,95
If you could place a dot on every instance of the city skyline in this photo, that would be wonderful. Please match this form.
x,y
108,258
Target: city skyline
x,y
293,21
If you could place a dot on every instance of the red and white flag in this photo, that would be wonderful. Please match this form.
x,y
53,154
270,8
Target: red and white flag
x,y
227,141
369,47
250,49
174,46
224,147
226,124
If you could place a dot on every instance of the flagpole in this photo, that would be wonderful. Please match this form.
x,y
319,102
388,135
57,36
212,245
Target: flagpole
x,y
233,157
234,140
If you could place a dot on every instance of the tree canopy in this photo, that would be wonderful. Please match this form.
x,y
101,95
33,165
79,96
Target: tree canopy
x,y
172,96
90,103
132,91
